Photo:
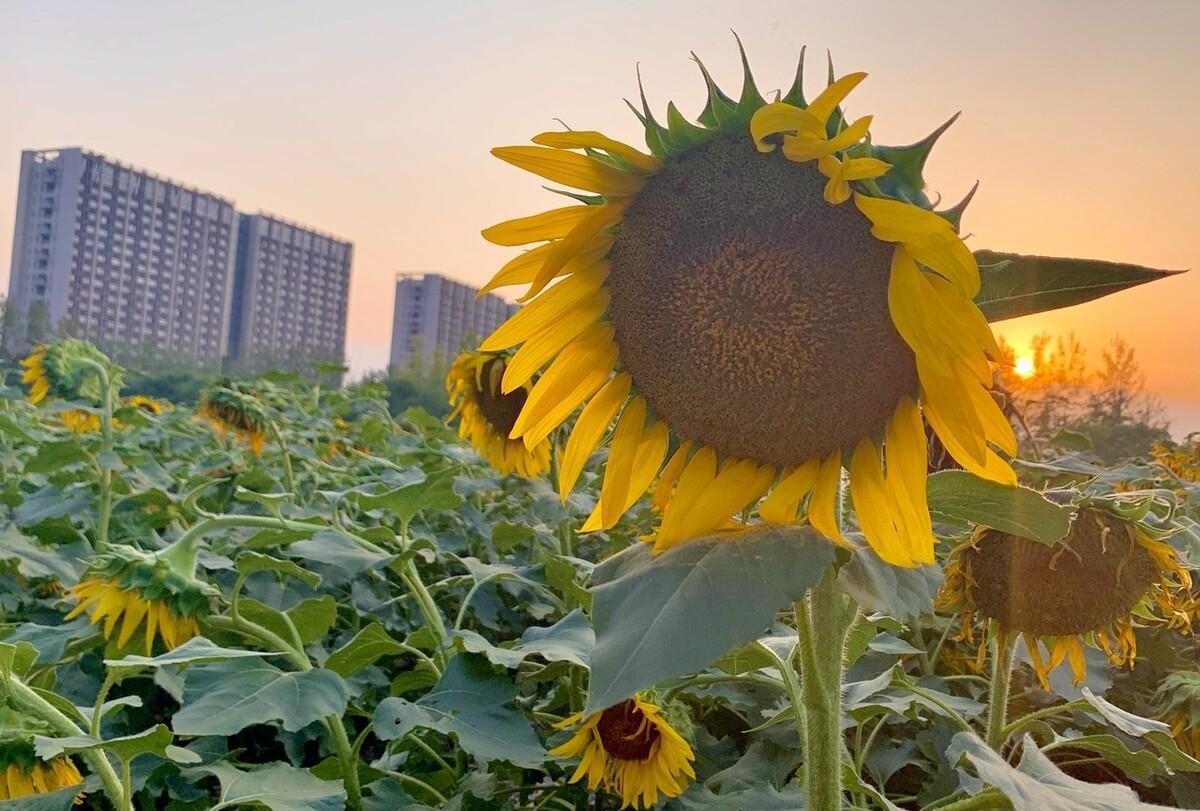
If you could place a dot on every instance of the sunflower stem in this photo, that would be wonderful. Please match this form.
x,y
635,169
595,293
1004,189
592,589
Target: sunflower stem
x,y
104,517
288,474
25,697
821,624
1002,667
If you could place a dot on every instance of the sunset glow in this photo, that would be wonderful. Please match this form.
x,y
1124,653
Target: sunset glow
x,y
1024,367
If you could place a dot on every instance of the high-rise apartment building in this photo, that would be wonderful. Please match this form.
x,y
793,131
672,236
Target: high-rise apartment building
x,y
292,290
435,316
125,258
148,267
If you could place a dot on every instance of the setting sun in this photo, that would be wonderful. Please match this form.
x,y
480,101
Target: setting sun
x,y
1024,367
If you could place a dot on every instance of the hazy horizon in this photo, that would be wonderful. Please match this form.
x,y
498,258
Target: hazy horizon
x,y
373,123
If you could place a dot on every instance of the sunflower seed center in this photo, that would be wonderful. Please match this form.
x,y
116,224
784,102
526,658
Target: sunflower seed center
x,y
626,733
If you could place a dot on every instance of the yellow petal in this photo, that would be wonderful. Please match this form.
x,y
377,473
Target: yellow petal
x,y
538,350
823,105
571,169
133,617
580,369
873,507
626,438
646,462
598,219
589,139
781,506
738,484
822,509
907,465
589,430
553,224
670,475
697,474
548,308
778,117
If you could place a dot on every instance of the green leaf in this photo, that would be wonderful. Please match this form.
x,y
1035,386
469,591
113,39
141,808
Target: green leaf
x,y
279,787
1140,765
367,645
1036,784
16,658
405,502
51,640
197,649
249,563
474,704
154,741
50,502
669,615
964,499
569,640
222,698
312,617
883,589
1014,285
1156,733
62,800
52,456
64,562
335,549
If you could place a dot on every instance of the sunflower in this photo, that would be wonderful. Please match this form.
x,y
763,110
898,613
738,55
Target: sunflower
x,y
229,410
724,290
1106,577
65,370
128,590
147,404
1177,701
486,415
80,421
22,772
630,750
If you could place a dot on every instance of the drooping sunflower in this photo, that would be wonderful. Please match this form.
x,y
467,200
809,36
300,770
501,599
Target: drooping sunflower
x,y
148,404
229,410
1177,701
725,290
65,370
129,590
1106,577
630,750
486,415
22,772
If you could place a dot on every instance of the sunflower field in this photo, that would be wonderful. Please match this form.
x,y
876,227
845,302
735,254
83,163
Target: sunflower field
x,y
731,515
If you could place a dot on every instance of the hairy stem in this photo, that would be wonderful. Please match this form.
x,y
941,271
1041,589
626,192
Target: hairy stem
x,y
1002,665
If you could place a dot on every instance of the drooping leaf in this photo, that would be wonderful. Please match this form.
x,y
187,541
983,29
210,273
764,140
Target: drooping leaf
x,y
569,640
1156,733
196,649
154,741
251,562
674,614
1014,285
473,703
962,498
279,787
221,698
65,562
883,589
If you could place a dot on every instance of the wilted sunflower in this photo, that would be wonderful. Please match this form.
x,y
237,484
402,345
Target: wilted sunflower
x,y
22,772
724,288
486,415
630,750
229,410
1106,577
1177,701
128,590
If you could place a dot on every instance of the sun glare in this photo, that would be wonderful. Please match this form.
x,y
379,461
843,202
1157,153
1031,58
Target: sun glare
x,y
1024,367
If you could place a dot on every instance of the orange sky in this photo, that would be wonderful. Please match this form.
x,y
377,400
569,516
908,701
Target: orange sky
x,y
373,121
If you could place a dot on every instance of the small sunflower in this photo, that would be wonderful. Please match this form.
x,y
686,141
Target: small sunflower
x,y
724,290
630,750
80,421
1177,701
22,772
128,590
486,415
1106,577
229,410
147,404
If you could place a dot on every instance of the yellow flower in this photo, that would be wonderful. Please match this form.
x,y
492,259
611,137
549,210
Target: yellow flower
x,y
147,404
35,375
126,609
712,293
631,751
229,410
1106,577
39,777
80,421
486,415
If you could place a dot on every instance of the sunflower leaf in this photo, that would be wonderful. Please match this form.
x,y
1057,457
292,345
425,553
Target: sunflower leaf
x,y
278,787
1014,285
675,614
963,499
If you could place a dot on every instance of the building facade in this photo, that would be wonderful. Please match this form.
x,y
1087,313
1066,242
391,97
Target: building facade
x,y
122,257
435,318
292,291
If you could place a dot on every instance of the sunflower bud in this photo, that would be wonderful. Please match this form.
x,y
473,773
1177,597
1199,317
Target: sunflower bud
x,y
230,410
22,772
128,590
67,371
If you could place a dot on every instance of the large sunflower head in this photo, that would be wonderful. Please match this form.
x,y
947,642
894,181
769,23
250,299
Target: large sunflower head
x,y
22,772
630,750
1106,577
131,591
230,410
772,289
1177,701
486,414
65,370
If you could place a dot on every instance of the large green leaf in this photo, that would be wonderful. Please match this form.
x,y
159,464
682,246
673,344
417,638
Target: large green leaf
x,y
669,615
405,502
367,645
1036,784
1014,285
279,787
64,562
1156,733
880,588
965,499
50,502
312,617
473,703
222,698
154,741
569,640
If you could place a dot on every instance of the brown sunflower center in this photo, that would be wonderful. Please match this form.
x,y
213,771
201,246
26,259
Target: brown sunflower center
x,y
753,314
626,733
501,410
1091,578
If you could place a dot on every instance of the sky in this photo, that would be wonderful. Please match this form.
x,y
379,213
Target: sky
x,y
373,121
